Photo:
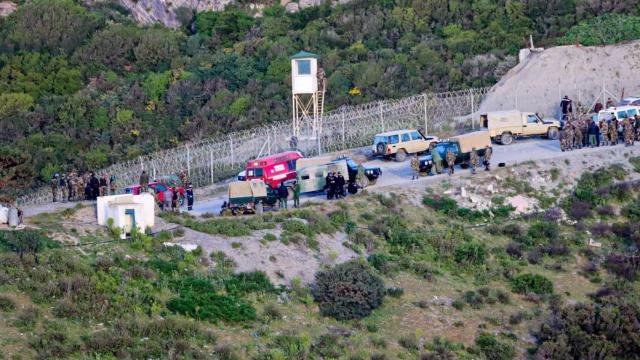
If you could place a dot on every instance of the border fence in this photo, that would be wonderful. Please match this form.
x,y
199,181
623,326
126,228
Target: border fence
x,y
349,127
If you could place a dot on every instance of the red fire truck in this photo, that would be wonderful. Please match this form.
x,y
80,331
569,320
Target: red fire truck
x,y
273,169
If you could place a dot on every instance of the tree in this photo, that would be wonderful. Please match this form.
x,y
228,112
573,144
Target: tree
x,y
56,26
112,47
156,49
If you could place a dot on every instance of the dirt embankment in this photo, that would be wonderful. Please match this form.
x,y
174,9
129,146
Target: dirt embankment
x,y
538,83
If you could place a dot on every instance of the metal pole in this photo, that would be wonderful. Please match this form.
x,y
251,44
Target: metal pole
x,y
141,163
344,143
424,103
188,161
381,116
269,142
211,163
473,110
232,154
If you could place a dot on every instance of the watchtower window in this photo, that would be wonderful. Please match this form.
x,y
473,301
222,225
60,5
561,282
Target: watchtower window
x,y
304,67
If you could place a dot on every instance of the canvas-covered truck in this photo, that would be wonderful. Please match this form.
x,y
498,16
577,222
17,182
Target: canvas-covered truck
x,y
312,176
503,126
461,145
244,195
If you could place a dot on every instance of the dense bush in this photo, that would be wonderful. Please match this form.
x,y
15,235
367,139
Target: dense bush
x,y
348,291
623,265
606,29
532,283
249,282
543,231
494,349
470,253
589,183
608,328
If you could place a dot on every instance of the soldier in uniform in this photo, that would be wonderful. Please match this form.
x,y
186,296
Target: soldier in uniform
x,y
80,185
437,160
189,197
112,184
604,130
570,136
473,160
183,178
54,186
613,132
628,132
296,194
488,152
63,188
577,129
563,139
637,126
144,181
415,168
71,185
451,161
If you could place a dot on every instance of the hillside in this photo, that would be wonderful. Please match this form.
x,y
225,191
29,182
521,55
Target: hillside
x,y
580,72
90,87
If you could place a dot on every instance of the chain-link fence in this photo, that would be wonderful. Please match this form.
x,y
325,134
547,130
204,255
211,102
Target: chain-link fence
x,y
345,128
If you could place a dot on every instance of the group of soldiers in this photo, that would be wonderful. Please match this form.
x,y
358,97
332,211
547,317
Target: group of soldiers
x,y
335,185
587,133
450,158
76,187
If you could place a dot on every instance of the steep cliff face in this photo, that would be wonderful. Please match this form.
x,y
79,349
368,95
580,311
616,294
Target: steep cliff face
x,y
167,11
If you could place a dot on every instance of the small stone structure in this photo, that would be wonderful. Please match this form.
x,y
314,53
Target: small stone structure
x,y
127,212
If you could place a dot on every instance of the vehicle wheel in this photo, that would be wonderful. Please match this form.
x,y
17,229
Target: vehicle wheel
x,y
553,134
372,181
380,149
506,139
181,200
401,155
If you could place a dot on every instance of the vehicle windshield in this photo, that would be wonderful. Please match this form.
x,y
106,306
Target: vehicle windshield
x,y
394,139
632,112
380,139
255,172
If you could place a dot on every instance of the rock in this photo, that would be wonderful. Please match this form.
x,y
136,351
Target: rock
x,y
448,192
7,7
292,7
309,3
463,192
490,188
594,243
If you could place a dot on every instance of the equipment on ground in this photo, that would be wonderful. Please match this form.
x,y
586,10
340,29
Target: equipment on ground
x,y
244,195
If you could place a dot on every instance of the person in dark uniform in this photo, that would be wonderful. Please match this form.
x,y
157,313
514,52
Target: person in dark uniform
x,y
175,199
331,185
340,185
94,184
189,197
283,195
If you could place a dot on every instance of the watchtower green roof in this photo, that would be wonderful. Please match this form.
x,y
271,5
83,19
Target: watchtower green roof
x,y
304,55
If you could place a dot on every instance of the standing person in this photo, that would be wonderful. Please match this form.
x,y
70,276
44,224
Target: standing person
x,y
283,194
566,107
80,185
340,185
604,130
167,198
330,184
437,159
637,125
175,199
591,133
184,179
610,103
488,152
71,186
144,181
103,185
189,197
296,194
94,184
570,135
473,161
628,132
160,199
563,140
451,161
613,132
63,188
577,131
598,107
54,186
112,184
415,168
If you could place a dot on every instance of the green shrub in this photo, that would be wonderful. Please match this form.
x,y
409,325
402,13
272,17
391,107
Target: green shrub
x,y
394,292
409,342
470,253
635,162
382,262
212,307
532,283
249,282
348,291
494,349
589,183
269,237
632,210
7,303
606,29
443,204
543,230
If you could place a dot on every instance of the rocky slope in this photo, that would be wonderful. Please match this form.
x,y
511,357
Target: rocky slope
x,y
540,80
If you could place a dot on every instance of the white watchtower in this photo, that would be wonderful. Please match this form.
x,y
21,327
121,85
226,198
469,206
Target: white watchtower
x,y
308,86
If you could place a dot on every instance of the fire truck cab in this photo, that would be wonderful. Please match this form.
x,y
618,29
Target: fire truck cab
x,y
273,169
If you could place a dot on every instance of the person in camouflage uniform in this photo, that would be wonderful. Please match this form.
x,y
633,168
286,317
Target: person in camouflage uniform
x,y
577,130
570,136
415,168
488,152
71,184
628,132
80,184
613,132
54,186
585,127
637,126
451,161
473,161
563,140
604,130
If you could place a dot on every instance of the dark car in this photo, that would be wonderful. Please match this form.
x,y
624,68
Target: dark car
x,y
159,189
462,158
371,172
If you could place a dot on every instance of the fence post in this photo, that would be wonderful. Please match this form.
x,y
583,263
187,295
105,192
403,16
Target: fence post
x,y
141,163
344,142
211,162
233,161
426,121
188,161
268,142
381,115
473,110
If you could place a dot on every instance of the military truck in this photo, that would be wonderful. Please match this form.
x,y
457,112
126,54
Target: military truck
x,y
312,176
244,195
461,145
399,143
503,126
